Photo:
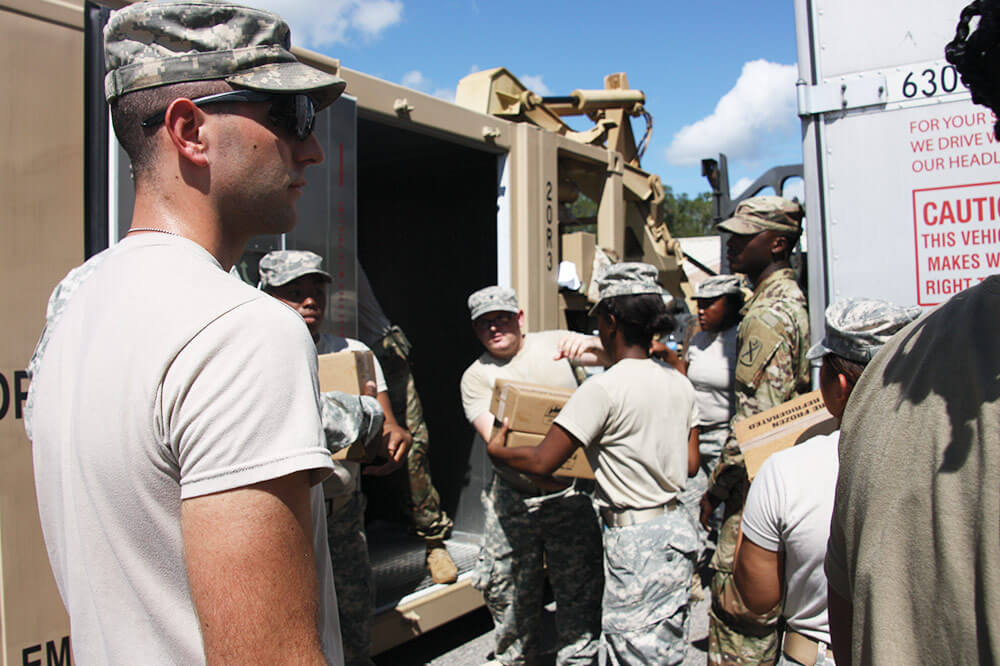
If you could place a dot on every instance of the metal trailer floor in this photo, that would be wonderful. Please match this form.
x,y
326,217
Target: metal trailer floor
x,y
398,559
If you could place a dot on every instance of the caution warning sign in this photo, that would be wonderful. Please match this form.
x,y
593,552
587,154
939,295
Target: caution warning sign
x,y
956,237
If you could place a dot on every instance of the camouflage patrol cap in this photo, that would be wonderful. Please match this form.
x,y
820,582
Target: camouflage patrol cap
x,y
760,213
718,285
493,299
856,328
629,278
282,266
150,44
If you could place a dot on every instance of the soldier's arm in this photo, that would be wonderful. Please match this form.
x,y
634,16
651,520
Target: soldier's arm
x,y
764,378
395,442
249,558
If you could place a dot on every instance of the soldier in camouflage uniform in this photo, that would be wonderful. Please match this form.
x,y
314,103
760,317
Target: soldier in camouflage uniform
x,y
420,498
533,527
771,368
637,425
296,278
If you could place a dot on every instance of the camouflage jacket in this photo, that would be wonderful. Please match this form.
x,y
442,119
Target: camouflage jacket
x,y
771,367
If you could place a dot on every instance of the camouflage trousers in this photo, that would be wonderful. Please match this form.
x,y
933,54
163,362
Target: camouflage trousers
x,y
710,447
647,575
735,635
352,575
423,504
522,535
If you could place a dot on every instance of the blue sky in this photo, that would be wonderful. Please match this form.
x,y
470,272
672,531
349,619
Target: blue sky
x,y
718,75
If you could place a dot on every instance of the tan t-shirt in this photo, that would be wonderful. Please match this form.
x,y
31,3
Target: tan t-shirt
x,y
634,421
533,363
915,535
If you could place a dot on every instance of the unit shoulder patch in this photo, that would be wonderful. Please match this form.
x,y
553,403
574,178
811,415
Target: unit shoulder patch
x,y
760,342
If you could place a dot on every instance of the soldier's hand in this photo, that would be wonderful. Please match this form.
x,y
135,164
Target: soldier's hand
x,y
498,442
708,504
667,355
370,389
394,446
578,347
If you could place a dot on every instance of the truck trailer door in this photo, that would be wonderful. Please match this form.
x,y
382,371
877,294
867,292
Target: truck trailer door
x,y
902,172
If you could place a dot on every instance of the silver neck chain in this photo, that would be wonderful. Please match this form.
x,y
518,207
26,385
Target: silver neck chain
x,y
162,231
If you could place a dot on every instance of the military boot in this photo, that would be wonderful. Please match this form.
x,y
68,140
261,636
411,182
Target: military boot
x,y
439,563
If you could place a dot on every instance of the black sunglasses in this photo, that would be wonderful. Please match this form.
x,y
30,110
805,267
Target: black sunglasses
x,y
292,112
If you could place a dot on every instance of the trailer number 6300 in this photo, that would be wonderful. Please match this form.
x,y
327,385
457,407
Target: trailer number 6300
x,y
930,81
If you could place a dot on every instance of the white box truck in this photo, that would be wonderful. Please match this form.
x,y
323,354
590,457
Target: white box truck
x,y
901,169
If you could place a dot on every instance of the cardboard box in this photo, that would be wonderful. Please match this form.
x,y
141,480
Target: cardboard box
x,y
577,466
782,427
529,407
579,247
531,410
347,371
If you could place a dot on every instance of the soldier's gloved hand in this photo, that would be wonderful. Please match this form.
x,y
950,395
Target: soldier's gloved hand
x,y
348,419
393,445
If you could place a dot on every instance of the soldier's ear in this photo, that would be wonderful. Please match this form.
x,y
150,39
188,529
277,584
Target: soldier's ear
x,y
781,246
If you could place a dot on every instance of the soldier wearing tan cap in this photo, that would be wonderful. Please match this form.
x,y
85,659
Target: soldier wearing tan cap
x,y
178,446
771,368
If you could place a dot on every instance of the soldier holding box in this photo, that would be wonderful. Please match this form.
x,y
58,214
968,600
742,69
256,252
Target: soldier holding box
x,y
527,526
296,278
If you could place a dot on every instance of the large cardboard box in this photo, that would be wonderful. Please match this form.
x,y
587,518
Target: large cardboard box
x,y
529,407
579,247
347,371
531,410
782,427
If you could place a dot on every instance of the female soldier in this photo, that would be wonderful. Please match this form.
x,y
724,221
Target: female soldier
x,y
710,359
636,424
786,520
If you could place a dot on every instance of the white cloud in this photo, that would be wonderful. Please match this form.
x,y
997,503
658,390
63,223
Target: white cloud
x,y
447,94
741,184
794,188
746,119
416,80
319,23
374,16
536,85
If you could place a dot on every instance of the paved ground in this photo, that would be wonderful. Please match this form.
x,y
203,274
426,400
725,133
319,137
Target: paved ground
x,y
468,641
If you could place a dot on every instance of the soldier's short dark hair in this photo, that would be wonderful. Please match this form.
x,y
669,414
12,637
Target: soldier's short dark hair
x,y
850,369
639,316
976,54
128,112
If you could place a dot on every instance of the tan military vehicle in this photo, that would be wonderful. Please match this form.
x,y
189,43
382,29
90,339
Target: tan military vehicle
x,y
434,199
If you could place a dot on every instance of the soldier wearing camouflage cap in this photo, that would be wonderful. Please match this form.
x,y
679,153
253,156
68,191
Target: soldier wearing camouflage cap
x,y
771,368
279,267
856,328
636,422
297,279
196,397
529,527
709,362
786,521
